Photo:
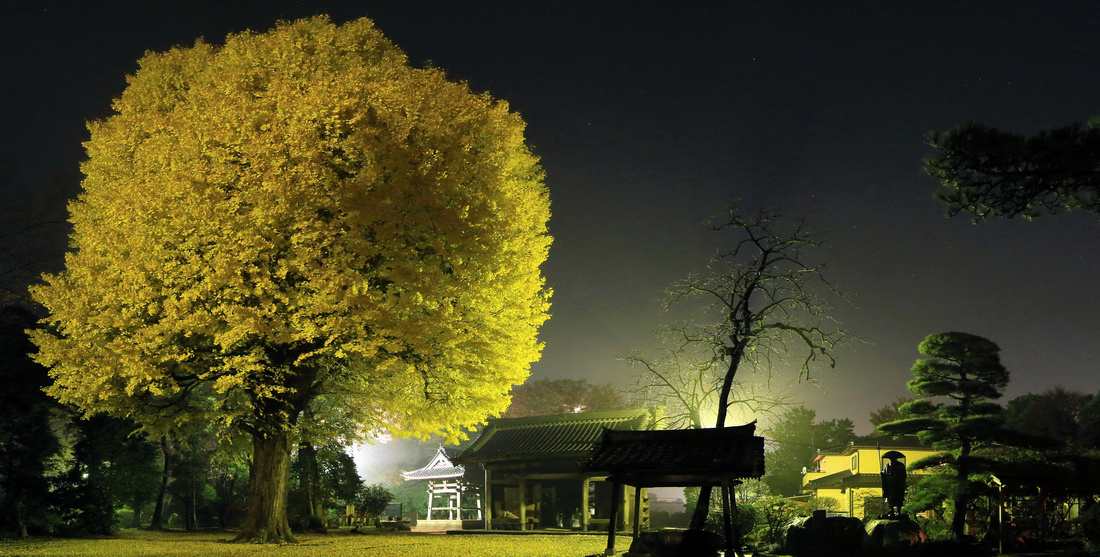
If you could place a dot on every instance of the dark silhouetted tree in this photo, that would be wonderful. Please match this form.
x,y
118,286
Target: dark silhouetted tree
x,y
122,464
1053,414
992,173
27,438
888,413
320,477
965,369
372,499
683,379
796,439
1089,421
562,396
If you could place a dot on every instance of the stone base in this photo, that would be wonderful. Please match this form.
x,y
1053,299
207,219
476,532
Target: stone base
x,y
436,525
892,533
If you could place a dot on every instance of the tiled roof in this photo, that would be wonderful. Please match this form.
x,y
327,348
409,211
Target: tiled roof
x,y
434,473
439,468
885,443
730,451
542,437
845,479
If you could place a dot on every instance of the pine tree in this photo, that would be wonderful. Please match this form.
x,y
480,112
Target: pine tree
x,y
967,370
992,173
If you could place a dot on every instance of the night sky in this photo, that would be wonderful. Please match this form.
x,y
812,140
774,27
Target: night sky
x,y
649,117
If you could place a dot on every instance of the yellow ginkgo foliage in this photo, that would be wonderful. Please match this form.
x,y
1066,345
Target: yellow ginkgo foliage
x,y
296,229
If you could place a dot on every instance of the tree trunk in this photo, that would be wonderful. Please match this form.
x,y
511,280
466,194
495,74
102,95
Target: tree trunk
x,y
157,522
962,493
225,498
311,482
21,518
191,520
138,502
958,521
702,509
266,520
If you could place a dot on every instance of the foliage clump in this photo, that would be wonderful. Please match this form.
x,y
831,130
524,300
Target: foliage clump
x,y
372,499
762,516
991,173
562,396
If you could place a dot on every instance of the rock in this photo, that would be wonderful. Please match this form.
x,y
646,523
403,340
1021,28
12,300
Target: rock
x,y
821,535
891,533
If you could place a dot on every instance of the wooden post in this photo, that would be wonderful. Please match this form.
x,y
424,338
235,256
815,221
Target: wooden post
x,y
523,504
458,500
616,502
431,498
488,500
733,506
584,504
727,526
637,511
1042,517
1000,517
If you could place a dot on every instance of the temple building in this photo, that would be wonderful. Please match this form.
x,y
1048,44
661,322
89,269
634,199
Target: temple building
x,y
533,477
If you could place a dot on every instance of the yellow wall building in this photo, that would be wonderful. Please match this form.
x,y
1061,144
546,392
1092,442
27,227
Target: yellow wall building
x,y
850,474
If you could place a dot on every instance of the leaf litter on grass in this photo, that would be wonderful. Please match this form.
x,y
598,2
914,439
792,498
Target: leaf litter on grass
x,y
139,543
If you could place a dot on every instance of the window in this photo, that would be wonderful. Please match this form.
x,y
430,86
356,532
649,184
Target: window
x,y
855,463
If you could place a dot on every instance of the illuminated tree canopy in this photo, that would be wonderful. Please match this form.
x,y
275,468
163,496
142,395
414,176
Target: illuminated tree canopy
x,y
992,173
299,224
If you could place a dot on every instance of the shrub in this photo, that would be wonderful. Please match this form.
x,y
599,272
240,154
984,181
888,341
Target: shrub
x,y
372,499
1087,525
936,528
81,508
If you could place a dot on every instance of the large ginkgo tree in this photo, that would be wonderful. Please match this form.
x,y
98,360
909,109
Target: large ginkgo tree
x,y
298,230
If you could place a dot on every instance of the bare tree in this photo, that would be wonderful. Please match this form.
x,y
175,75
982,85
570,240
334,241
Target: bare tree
x,y
762,304
685,381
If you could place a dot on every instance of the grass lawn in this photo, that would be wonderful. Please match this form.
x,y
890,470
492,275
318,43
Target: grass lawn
x,y
338,542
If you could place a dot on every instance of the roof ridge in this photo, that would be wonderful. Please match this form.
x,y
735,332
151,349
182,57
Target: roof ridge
x,y
570,417
885,442
560,435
